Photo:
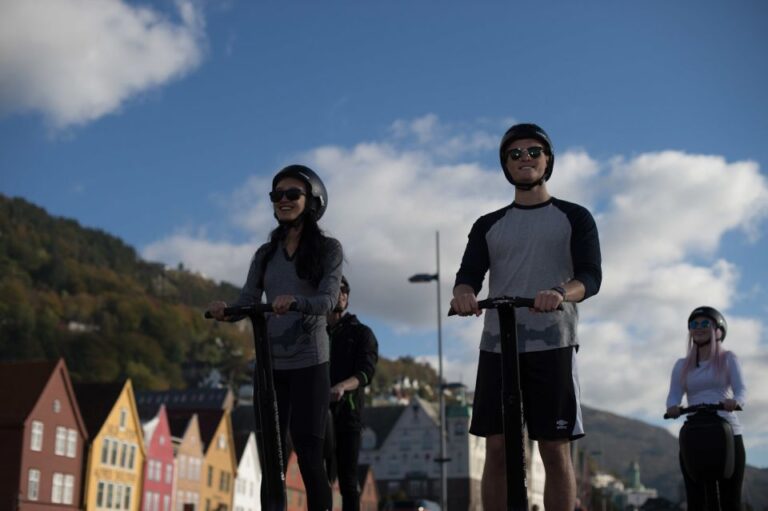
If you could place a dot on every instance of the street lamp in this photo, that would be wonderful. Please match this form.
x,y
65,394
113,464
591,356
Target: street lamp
x,y
429,277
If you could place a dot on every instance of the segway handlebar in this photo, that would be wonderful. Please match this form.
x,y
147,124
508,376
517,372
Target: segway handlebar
x,y
247,310
705,407
495,303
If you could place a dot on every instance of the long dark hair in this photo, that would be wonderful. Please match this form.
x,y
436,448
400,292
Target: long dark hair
x,y
310,253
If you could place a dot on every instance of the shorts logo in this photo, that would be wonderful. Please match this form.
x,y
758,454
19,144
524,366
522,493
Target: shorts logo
x,y
561,424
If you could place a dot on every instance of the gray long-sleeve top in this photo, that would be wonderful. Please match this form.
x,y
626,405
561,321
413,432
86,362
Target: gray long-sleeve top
x,y
298,339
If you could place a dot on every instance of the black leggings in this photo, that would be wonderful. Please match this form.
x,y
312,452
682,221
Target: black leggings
x,y
303,396
730,489
347,450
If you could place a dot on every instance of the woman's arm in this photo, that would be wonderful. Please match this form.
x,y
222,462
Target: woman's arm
x,y
328,289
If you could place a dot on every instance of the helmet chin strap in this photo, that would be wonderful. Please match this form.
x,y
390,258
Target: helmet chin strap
x,y
529,186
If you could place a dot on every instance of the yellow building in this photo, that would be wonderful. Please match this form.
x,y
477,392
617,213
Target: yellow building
x,y
219,458
115,455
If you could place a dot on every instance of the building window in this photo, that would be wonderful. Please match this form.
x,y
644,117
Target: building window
x,y
210,477
61,441
123,453
166,503
33,484
183,467
105,451
127,498
132,457
123,418
37,436
69,488
110,489
168,474
118,496
222,442
71,443
100,494
56,406
58,488
113,454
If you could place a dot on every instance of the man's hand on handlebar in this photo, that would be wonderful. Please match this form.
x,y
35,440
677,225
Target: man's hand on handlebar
x,y
217,310
464,303
673,412
547,300
730,405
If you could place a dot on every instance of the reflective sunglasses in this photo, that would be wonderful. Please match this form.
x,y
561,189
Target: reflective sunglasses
x,y
290,194
704,323
534,152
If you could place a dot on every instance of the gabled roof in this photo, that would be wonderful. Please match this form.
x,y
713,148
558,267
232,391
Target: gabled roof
x,y
96,400
207,420
179,424
241,442
381,419
21,384
148,402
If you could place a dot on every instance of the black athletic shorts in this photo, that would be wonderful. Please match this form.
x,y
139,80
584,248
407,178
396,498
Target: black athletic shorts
x,y
550,388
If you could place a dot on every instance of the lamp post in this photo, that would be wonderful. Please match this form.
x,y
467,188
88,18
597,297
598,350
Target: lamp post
x,y
442,460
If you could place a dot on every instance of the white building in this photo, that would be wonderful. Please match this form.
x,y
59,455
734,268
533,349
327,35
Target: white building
x,y
401,444
248,481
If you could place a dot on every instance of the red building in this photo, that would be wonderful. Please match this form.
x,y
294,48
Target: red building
x,y
158,466
42,436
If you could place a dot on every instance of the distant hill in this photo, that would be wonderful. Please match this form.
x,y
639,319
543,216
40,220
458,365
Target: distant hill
x,y
614,441
83,294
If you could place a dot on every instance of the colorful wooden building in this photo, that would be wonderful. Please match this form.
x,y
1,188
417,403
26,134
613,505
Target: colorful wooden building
x,y
219,461
116,453
188,451
159,465
248,482
41,437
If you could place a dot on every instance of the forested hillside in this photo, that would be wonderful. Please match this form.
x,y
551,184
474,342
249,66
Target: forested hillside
x,y
83,294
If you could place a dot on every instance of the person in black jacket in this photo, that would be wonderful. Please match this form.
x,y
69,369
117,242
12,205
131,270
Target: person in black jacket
x,y
354,353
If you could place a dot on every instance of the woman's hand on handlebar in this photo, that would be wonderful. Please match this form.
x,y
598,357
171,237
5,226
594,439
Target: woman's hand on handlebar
x,y
730,405
673,412
464,303
217,310
282,303
547,300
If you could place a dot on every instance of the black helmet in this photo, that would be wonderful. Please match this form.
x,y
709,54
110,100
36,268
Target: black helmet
x,y
517,132
317,195
714,315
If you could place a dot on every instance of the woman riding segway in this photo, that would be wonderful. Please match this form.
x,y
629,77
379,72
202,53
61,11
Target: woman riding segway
x,y
299,271
709,374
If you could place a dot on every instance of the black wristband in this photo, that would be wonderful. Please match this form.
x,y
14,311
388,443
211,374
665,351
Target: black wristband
x,y
561,290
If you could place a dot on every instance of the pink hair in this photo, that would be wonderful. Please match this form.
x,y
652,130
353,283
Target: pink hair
x,y
716,356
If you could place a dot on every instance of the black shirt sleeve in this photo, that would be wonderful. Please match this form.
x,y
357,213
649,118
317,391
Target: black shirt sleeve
x,y
367,355
476,260
585,249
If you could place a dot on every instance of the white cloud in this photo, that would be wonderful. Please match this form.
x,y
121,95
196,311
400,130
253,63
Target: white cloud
x,y
662,217
74,61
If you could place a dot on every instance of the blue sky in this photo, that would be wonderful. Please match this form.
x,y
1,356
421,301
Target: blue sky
x,y
162,123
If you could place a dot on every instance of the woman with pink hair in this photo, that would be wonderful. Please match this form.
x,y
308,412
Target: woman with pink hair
x,y
709,374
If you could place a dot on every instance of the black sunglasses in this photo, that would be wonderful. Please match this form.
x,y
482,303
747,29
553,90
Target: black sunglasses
x,y
533,152
290,194
704,323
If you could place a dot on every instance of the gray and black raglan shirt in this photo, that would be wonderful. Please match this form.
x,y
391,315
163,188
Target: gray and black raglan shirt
x,y
527,249
298,339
